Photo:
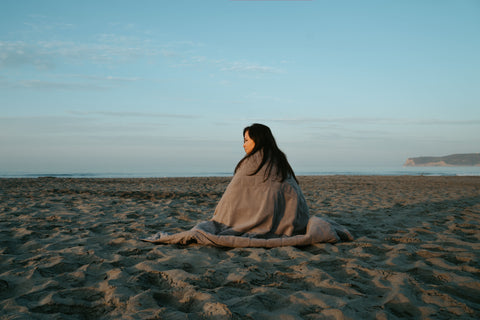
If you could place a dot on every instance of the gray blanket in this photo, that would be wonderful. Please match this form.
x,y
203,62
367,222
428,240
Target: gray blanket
x,y
259,212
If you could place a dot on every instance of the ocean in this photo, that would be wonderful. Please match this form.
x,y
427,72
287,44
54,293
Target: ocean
x,y
382,171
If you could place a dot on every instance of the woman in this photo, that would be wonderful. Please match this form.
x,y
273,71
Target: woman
x,y
263,198
262,206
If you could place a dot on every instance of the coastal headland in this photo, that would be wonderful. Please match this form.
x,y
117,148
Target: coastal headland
x,y
454,160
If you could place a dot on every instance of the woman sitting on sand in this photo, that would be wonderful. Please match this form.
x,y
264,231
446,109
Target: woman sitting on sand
x,y
262,206
263,198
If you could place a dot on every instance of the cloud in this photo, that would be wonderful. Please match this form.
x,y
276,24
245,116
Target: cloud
x,y
248,67
69,131
42,84
96,52
106,49
132,114
116,49
374,121
69,82
95,127
225,65
446,122
262,97
16,54
40,23
107,78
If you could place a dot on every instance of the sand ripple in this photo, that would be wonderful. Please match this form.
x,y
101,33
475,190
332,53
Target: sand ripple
x,y
69,249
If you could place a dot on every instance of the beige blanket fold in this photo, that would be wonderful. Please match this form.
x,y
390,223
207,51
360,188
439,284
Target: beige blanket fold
x,y
259,212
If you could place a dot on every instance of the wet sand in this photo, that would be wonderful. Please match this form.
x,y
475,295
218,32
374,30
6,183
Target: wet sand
x,y
70,249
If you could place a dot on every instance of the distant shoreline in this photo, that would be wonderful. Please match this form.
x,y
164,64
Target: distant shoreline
x,y
406,171
392,170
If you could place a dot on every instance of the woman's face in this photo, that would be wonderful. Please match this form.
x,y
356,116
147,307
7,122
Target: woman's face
x,y
248,143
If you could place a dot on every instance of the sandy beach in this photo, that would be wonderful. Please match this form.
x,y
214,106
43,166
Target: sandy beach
x,y
70,249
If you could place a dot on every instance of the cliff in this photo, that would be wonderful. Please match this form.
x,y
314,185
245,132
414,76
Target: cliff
x,y
467,159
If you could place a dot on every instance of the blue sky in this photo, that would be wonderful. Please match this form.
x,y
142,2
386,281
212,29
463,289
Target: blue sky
x,y
168,86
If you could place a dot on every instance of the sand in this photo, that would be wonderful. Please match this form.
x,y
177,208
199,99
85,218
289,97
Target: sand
x,y
70,249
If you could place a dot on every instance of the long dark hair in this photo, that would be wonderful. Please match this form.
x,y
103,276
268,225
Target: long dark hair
x,y
272,156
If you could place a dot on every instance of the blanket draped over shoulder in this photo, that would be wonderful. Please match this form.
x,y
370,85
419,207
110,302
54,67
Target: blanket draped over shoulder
x,y
258,212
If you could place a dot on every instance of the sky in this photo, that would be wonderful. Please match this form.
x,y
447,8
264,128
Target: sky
x,y
168,86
